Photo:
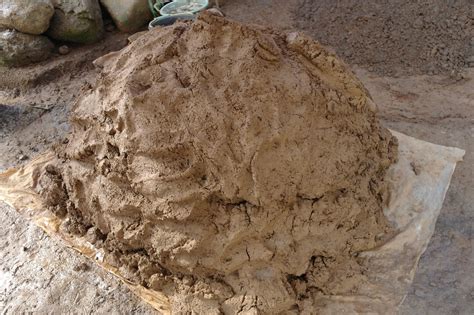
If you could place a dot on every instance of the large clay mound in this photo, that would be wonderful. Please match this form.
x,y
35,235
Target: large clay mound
x,y
237,169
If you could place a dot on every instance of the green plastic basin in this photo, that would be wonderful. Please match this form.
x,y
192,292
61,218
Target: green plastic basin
x,y
184,7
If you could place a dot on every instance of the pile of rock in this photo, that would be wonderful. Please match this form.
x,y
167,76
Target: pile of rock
x,y
128,15
28,26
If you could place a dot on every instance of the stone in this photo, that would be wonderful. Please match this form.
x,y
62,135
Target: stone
x,y
128,15
76,21
63,50
215,11
19,49
26,16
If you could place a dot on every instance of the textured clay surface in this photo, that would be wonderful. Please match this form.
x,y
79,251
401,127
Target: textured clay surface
x,y
234,168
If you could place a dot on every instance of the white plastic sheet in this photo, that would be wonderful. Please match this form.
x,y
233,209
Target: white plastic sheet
x,y
418,185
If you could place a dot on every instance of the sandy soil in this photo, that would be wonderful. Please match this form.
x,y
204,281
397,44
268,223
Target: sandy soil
x,y
394,37
39,275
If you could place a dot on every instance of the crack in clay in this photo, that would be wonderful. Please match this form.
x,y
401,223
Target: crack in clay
x,y
212,162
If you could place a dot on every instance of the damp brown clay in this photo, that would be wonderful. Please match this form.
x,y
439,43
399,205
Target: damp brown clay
x,y
234,168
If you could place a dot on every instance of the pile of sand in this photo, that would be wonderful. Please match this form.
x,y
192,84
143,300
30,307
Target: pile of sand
x,y
237,169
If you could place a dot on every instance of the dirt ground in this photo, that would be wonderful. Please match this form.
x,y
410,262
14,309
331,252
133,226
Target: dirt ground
x,y
394,37
39,275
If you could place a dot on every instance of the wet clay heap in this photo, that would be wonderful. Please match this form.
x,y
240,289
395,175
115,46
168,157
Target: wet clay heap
x,y
234,168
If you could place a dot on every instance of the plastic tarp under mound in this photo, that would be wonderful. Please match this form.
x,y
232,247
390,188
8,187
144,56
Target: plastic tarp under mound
x,y
418,185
